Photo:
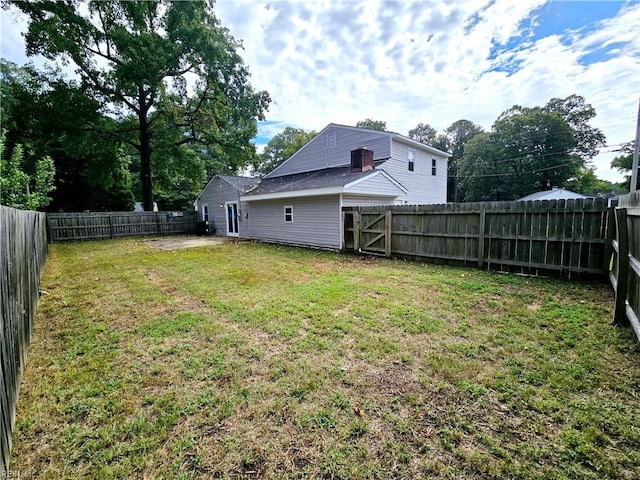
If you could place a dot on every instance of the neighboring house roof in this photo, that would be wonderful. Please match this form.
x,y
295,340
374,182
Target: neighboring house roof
x,y
318,182
555,194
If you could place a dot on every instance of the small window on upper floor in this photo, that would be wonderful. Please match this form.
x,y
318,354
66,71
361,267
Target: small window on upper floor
x,y
433,166
288,214
331,139
410,157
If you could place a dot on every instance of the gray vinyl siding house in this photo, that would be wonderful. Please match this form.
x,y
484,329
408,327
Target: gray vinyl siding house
x,y
219,202
332,147
300,202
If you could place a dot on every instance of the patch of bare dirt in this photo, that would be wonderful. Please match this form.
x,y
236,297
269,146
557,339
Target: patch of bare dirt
x,y
177,243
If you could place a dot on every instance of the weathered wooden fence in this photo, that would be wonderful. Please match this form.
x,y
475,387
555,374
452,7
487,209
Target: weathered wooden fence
x,y
625,274
23,252
565,237
64,227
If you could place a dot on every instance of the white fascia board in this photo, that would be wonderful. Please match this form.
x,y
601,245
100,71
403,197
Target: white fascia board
x,y
375,173
309,192
414,143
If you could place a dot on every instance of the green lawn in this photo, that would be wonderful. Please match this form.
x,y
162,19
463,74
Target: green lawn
x,y
258,361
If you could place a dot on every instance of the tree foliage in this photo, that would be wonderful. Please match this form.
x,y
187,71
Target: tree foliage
x,y
281,147
168,70
531,149
528,150
624,163
19,189
578,113
372,124
587,182
424,133
53,118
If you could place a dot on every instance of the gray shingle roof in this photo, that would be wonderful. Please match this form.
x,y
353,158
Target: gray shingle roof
x,y
555,194
242,184
327,177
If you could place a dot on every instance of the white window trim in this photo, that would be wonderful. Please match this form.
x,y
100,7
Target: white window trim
x,y
290,207
331,139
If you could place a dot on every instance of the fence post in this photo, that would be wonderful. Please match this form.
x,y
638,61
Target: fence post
x,y
387,233
481,234
110,227
356,231
158,222
608,246
622,285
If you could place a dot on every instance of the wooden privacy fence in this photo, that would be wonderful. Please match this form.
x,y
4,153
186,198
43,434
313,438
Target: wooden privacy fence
x,y
94,226
23,252
564,237
625,274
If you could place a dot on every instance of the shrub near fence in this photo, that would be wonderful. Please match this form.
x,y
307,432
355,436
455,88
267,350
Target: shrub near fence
x,y
23,252
562,237
99,226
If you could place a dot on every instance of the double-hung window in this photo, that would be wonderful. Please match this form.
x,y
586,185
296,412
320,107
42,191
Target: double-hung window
x,y
433,166
288,214
411,157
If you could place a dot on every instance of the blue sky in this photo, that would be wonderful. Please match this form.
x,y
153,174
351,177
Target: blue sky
x,y
410,62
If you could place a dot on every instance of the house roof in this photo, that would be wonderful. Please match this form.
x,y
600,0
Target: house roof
x,y
359,132
394,135
554,194
318,182
241,184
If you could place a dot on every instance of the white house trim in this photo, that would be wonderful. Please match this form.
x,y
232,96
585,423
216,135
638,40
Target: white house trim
x,y
422,146
309,192
375,173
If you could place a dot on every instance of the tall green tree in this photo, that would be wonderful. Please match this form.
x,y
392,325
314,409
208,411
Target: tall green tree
x,y
624,163
424,133
53,118
454,139
578,113
588,183
528,150
372,124
18,188
281,146
170,67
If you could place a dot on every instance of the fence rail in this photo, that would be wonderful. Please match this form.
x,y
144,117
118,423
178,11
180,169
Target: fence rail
x,y
23,243
95,226
563,237
625,274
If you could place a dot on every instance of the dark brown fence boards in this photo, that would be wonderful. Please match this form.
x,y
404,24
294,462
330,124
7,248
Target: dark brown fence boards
x,y
23,244
625,274
95,226
567,237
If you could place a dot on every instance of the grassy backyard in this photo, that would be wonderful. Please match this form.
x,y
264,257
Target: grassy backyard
x,y
257,361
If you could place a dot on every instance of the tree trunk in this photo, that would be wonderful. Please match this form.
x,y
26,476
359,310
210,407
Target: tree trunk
x,y
145,158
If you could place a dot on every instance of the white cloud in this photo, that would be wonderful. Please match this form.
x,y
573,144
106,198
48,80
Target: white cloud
x,y
412,62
